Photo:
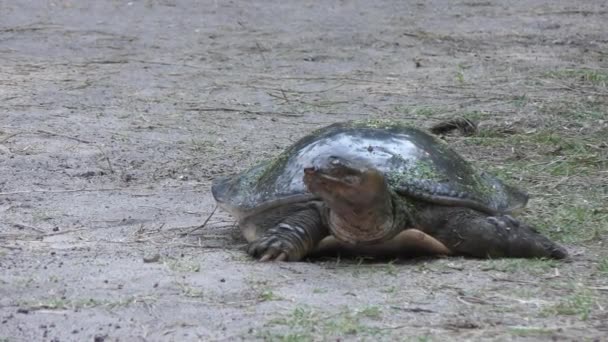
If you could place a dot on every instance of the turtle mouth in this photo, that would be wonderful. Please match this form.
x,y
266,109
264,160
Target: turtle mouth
x,y
315,172
336,179
336,171
331,186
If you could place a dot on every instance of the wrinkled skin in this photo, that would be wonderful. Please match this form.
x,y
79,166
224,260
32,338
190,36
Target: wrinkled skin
x,y
360,205
358,208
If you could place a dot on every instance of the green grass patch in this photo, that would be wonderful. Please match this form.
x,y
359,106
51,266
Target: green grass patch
x,y
554,153
389,289
84,303
571,222
277,337
579,304
371,312
189,291
578,112
421,111
602,267
520,101
473,115
182,265
363,268
268,295
306,324
421,339
530,331
595,77
65,304
547,159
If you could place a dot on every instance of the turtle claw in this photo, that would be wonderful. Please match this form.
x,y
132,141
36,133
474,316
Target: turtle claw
x,y
271,255
274,246
511,220
505,222
266,257
499,223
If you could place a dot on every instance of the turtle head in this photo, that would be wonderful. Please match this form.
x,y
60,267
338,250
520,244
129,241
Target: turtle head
x,y
344,180
357,195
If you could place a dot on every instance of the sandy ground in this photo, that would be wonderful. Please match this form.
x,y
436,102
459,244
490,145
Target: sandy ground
x,y
115,116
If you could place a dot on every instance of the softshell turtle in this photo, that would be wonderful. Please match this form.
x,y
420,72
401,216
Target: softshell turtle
x,y
377,185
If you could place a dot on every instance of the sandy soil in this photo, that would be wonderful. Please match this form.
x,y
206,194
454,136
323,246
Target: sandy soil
x,y
115,116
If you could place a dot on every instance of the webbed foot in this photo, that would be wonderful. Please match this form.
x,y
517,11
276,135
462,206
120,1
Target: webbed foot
x,y
292,239
281,243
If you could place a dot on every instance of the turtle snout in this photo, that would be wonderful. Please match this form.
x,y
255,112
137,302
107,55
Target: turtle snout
x,y
310,170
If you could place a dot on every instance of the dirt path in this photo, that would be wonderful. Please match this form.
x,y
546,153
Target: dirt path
x,y
115,116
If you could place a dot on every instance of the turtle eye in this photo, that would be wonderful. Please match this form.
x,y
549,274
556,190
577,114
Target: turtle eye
x,y
335,161
338,162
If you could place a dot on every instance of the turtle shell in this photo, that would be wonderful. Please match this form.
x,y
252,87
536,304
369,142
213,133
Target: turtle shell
x,y
403,153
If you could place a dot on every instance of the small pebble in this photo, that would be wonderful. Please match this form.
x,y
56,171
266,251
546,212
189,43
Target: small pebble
x,y
151,258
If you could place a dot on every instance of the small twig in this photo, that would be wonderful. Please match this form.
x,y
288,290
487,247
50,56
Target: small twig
x,y
471,300
599,288
569,12
260,49
57,191
22,226
293,91
323,78
514,281
163,63
64,136
8,137
52,191
200,246
204,223
106,158
412,309
42,236
285,96
10,247
235,110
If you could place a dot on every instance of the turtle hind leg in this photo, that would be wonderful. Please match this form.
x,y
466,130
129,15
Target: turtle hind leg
x,y
468,232
294,237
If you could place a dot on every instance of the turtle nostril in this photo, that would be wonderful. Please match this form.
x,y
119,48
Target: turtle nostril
x,y
310,170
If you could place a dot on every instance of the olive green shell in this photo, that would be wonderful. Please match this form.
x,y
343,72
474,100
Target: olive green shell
x,y
403,153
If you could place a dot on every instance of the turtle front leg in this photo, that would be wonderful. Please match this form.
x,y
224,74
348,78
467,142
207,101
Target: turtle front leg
x,y
468,232
292,238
